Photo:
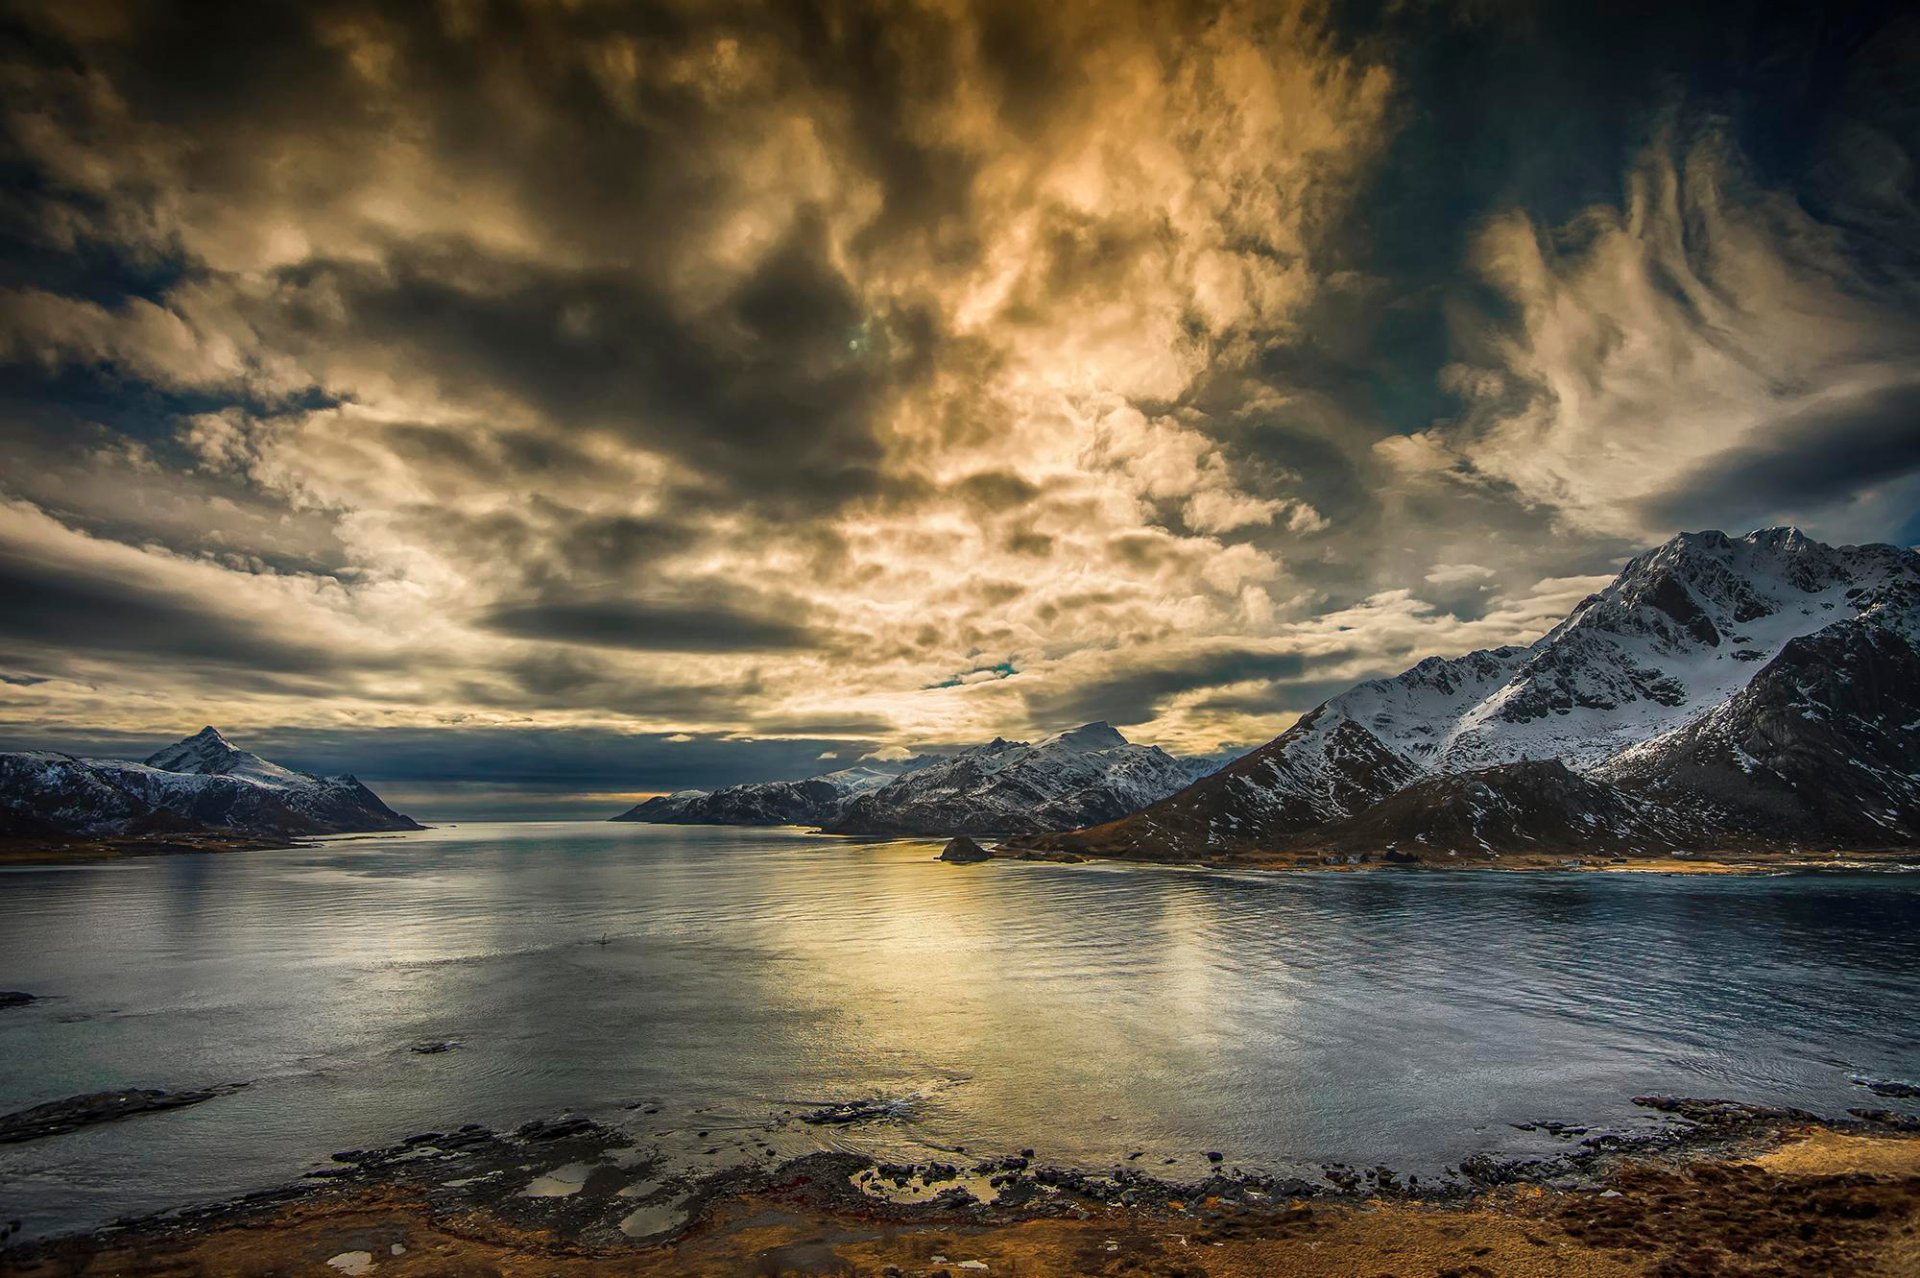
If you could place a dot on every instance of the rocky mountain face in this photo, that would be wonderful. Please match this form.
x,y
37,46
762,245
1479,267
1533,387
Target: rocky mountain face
x,y
1075,778
1758,691
813,801
202,784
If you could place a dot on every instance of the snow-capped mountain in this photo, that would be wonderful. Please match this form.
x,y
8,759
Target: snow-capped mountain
x,y
1719,690
200,784
1089,774
810,802
1075,778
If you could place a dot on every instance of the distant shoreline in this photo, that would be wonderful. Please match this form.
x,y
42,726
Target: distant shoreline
x,y
1716,863
80,849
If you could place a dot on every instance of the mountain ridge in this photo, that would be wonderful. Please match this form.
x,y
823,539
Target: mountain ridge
x,y
200,784
1000,787
1708,697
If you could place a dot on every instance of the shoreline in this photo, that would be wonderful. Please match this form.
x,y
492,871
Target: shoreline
x,y
28,852
1734,1189
1758,864
79,849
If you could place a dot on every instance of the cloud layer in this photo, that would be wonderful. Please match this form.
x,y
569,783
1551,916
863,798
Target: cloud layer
x,y
897,374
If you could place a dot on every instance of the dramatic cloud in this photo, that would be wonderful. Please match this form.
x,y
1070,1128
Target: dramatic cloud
x,y
1659,345
828,379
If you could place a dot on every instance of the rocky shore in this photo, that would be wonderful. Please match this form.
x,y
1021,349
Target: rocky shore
x,y
1718,1189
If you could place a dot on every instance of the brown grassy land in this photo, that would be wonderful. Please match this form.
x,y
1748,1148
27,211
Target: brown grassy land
x,y
1820,1203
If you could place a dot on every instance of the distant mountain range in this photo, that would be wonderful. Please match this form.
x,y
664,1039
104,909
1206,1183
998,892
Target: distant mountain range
x,y
1759,692
1003,787
200,785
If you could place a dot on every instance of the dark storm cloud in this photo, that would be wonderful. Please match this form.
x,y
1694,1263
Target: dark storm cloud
x,y
1512,104
763,396
1134,696
1294,696
1830,452
626,623
61,610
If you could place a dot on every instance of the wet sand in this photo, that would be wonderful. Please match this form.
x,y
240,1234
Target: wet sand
x,y
1786,1199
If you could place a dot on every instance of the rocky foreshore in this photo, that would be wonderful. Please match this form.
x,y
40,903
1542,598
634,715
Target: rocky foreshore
x,y
1718,1188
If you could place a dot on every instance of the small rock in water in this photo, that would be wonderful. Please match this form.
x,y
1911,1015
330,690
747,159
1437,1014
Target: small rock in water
x,y
433,1047
352,1263
554,1129
16,998
848,1112
1889,1087
964,851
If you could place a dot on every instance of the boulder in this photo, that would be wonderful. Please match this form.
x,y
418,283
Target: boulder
x,y
964,851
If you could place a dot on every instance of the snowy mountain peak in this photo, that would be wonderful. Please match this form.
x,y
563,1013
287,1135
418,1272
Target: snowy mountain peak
x,y
1089,773
200,783
1089,736
1708,651
1785,537
205,753
1680,629
209,754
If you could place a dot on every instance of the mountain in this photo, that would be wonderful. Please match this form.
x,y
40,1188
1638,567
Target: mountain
x,y
1089,774
813,801
1008,787
1754,691
202,784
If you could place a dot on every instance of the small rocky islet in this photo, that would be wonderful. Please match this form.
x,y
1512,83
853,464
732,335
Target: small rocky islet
x,y
57,1118
962,850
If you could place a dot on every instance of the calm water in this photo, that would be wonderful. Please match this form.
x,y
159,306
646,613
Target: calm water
x,y
1087,1011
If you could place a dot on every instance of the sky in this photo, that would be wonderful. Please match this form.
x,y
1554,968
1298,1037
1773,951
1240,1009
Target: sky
x,y
530,406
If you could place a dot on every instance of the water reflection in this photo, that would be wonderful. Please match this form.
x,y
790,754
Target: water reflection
x,y
1090,1011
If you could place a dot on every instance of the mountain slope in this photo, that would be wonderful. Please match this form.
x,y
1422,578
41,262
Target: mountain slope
x,y
1507,809
1822,746
200,784
1719,690
809,802
1089,774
